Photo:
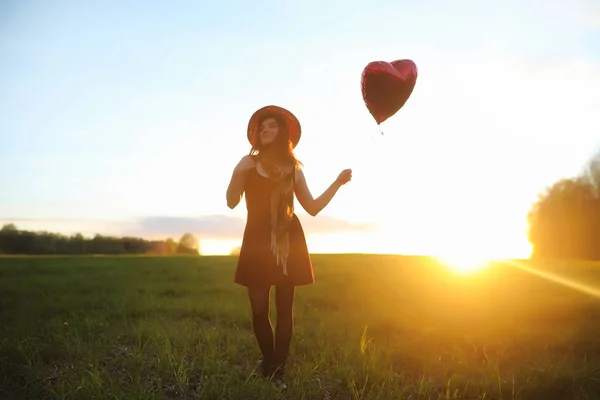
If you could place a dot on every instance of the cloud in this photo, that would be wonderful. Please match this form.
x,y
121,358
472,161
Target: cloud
x,y
327,224
216,226
228,227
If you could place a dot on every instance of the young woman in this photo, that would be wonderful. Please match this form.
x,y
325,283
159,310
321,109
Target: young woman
x,y
274,250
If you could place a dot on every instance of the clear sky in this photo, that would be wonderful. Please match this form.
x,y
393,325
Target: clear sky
x,y
127,117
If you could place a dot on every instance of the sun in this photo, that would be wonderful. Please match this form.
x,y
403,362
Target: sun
x,y
465,264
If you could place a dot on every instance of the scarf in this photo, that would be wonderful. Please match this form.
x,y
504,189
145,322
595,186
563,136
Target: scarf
x,y
282,208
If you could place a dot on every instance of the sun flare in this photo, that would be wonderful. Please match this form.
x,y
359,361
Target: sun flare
x,y
465,264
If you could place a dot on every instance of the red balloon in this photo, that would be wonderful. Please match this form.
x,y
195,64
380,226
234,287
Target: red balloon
x,y
387,86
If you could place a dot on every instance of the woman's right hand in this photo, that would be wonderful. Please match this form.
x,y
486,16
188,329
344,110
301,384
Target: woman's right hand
x,y
246,164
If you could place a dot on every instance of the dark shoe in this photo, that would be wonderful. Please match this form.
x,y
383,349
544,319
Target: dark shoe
x,y
277,377
279,385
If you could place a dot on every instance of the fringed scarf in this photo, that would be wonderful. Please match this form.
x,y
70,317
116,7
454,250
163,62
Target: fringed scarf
x,y
282,208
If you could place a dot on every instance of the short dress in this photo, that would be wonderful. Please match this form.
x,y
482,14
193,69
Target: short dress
x,y
257,266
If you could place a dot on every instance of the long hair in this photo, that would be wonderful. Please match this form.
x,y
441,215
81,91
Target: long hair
x,y
280,163
281,150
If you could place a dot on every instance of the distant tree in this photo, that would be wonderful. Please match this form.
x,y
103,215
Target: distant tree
x,y
171,246
11,240
592,173
188,244
77,244
156,247
9,228
565,221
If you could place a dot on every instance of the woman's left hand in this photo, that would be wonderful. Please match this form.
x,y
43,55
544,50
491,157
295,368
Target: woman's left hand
x,y
344,177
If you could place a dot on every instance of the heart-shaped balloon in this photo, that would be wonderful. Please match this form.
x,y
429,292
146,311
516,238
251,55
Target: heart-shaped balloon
x,y
386,86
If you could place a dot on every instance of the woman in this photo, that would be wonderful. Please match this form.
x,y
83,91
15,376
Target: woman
x,y
274,250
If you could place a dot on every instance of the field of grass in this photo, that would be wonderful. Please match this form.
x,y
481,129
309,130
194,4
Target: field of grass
x,y
372,327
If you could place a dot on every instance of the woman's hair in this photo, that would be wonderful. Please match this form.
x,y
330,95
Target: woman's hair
x,y
281,148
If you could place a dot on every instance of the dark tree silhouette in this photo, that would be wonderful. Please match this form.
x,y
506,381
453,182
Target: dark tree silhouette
x,y
565,221
188,244
15,241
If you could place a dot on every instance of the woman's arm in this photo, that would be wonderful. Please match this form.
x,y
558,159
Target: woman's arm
x,y
235,190
315,206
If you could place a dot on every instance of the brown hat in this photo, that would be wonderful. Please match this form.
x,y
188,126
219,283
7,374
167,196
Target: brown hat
x,y
293,125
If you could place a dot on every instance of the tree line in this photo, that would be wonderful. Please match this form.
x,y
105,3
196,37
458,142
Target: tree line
x,y
15,241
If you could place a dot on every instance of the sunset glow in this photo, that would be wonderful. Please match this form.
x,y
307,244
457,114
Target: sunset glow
x,y
496,116
466,263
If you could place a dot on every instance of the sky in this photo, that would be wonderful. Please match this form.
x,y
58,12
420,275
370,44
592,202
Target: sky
x,y
129,117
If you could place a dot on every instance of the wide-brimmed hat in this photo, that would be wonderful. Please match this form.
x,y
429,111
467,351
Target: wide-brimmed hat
x,y
293,125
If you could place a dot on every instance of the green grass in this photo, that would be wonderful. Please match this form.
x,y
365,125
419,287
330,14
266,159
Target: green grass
x,y
372,327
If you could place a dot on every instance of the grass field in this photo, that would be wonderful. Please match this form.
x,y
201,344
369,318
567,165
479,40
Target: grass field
x,y
372,327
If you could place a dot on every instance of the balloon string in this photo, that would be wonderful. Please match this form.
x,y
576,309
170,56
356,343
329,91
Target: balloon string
x,y
374,137
366,153
369,159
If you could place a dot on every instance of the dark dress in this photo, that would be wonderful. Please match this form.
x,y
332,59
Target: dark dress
x,y
256,263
